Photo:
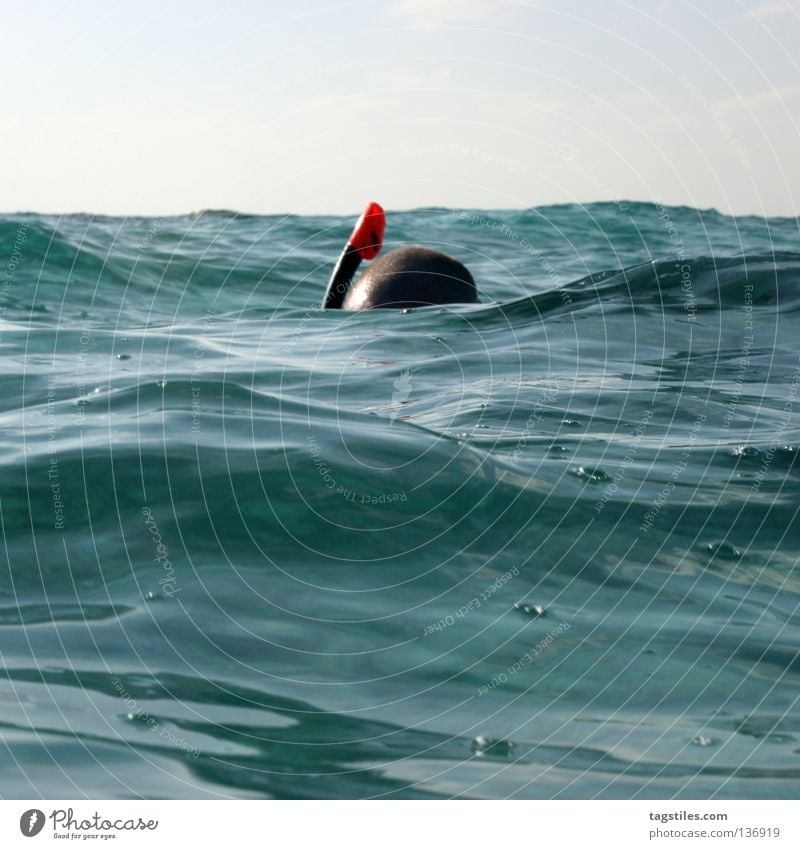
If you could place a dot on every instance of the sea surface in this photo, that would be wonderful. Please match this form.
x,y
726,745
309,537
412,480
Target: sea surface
x,y
541,547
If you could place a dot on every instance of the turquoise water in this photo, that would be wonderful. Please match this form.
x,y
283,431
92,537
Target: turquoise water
x,y
542,547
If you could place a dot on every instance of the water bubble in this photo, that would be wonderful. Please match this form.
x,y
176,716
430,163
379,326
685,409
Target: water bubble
x,y
723,550
591,475
702,740
483,746
530,609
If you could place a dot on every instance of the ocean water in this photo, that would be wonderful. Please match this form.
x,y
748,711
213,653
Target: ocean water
x,y
541,547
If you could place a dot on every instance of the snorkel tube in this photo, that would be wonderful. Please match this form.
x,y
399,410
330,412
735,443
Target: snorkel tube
x,y
365,242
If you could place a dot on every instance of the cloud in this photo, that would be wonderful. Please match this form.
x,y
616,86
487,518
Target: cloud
x,y
430,14
772,9
412,80
768,98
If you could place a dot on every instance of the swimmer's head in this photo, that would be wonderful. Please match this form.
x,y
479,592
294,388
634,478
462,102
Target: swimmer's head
x,y
412,277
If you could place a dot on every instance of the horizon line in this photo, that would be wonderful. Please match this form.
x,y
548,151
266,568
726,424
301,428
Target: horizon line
x,y
622,203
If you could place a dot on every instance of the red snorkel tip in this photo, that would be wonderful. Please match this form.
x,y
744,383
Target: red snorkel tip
x,y
365,242
367,237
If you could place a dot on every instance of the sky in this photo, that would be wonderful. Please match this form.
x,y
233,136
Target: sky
x,y
154,108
